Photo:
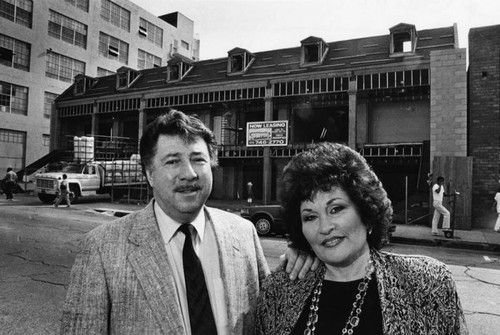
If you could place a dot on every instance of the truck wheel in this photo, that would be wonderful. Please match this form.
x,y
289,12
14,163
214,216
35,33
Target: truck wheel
x,y
46,198
263,225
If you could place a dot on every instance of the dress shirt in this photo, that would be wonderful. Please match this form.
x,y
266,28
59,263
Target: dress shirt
x,y
206,248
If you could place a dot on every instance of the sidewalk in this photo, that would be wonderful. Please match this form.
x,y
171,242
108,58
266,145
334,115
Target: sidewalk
x,y
477,239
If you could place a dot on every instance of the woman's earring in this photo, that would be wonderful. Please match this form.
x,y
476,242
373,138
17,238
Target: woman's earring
x,y
370,231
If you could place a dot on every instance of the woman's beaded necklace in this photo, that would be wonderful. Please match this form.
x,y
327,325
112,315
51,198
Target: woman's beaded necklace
x,y
353,319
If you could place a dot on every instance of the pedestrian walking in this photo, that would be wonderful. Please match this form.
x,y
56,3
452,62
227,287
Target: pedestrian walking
x,y
10,183
438,193
63,192
497,205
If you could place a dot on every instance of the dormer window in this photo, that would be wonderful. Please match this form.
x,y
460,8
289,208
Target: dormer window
x,y
313,51
403,39
125,77
178,67
83,83
239,61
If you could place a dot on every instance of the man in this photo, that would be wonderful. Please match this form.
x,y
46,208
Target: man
x,y
63,192
438,193
10,182
130,277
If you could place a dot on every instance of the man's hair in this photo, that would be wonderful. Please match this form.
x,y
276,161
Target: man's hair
x,y
327,166
440,178
65,176
175,123
9,169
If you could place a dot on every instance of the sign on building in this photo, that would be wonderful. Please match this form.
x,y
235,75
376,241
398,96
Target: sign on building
x,y
267,133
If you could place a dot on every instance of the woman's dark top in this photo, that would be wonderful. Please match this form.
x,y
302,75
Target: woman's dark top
x,y
335,305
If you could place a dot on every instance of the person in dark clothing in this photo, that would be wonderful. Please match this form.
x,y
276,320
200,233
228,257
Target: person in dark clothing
x,y
10,183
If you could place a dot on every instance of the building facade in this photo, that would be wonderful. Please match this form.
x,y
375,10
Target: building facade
x,y
484,121
45,44
400,99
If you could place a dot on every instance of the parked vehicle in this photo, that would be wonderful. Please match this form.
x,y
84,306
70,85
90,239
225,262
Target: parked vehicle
x,y
87,176
266,218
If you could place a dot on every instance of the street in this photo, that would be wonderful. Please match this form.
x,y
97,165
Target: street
x,y
39,242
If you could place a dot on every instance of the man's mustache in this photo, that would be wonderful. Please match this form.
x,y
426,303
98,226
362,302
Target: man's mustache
x,y
188,188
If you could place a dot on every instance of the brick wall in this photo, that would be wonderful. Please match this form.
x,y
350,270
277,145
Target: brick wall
x,y
484,120
448,122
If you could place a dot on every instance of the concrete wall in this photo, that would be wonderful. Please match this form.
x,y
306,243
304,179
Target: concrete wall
x,y
484,120
399,122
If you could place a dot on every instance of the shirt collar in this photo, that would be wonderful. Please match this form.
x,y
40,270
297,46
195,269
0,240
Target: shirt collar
x,y
170,225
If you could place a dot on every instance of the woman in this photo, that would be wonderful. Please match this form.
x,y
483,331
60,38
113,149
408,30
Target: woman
x,y
336,207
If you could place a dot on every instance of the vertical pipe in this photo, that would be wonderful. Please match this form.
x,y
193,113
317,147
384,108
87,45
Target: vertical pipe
x,y
406,199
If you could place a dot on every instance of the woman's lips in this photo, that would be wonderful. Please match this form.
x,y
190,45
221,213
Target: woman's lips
x,y
332,241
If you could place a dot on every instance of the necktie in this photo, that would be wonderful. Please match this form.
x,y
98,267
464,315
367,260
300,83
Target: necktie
x,y
201,317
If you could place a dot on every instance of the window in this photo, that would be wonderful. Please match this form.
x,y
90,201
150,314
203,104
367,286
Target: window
x,y
178,67
185,45
19,11
67,29
403,39
82,83
174,71
13,99
46,140
239,60
14,53
82,4
12,136
313,51
48,102
151,32
402,42
116,15
111,47
146,60
125,77
103,72
63,68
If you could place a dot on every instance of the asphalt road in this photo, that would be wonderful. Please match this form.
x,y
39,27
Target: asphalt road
x,y
38,245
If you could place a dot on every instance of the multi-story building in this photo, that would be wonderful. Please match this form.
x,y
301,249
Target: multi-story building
x,y
45,44
400,99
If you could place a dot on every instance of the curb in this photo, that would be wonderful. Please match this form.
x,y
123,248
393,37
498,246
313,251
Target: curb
x,y
447,243
112,212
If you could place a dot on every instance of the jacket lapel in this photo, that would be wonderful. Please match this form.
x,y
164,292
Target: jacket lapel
x,y
230,259
150,263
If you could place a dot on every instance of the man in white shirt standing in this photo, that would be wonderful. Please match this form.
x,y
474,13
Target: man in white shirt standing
x,y
438,192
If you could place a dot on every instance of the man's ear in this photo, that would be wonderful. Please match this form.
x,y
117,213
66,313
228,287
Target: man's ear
x,y
149,175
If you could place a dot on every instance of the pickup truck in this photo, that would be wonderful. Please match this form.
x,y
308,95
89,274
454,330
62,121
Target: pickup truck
x,y
266,218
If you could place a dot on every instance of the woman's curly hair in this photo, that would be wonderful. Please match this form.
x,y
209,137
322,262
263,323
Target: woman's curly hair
x,y
330,165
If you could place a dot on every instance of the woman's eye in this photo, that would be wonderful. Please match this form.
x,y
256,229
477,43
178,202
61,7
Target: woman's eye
x,y
336,209
308,218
